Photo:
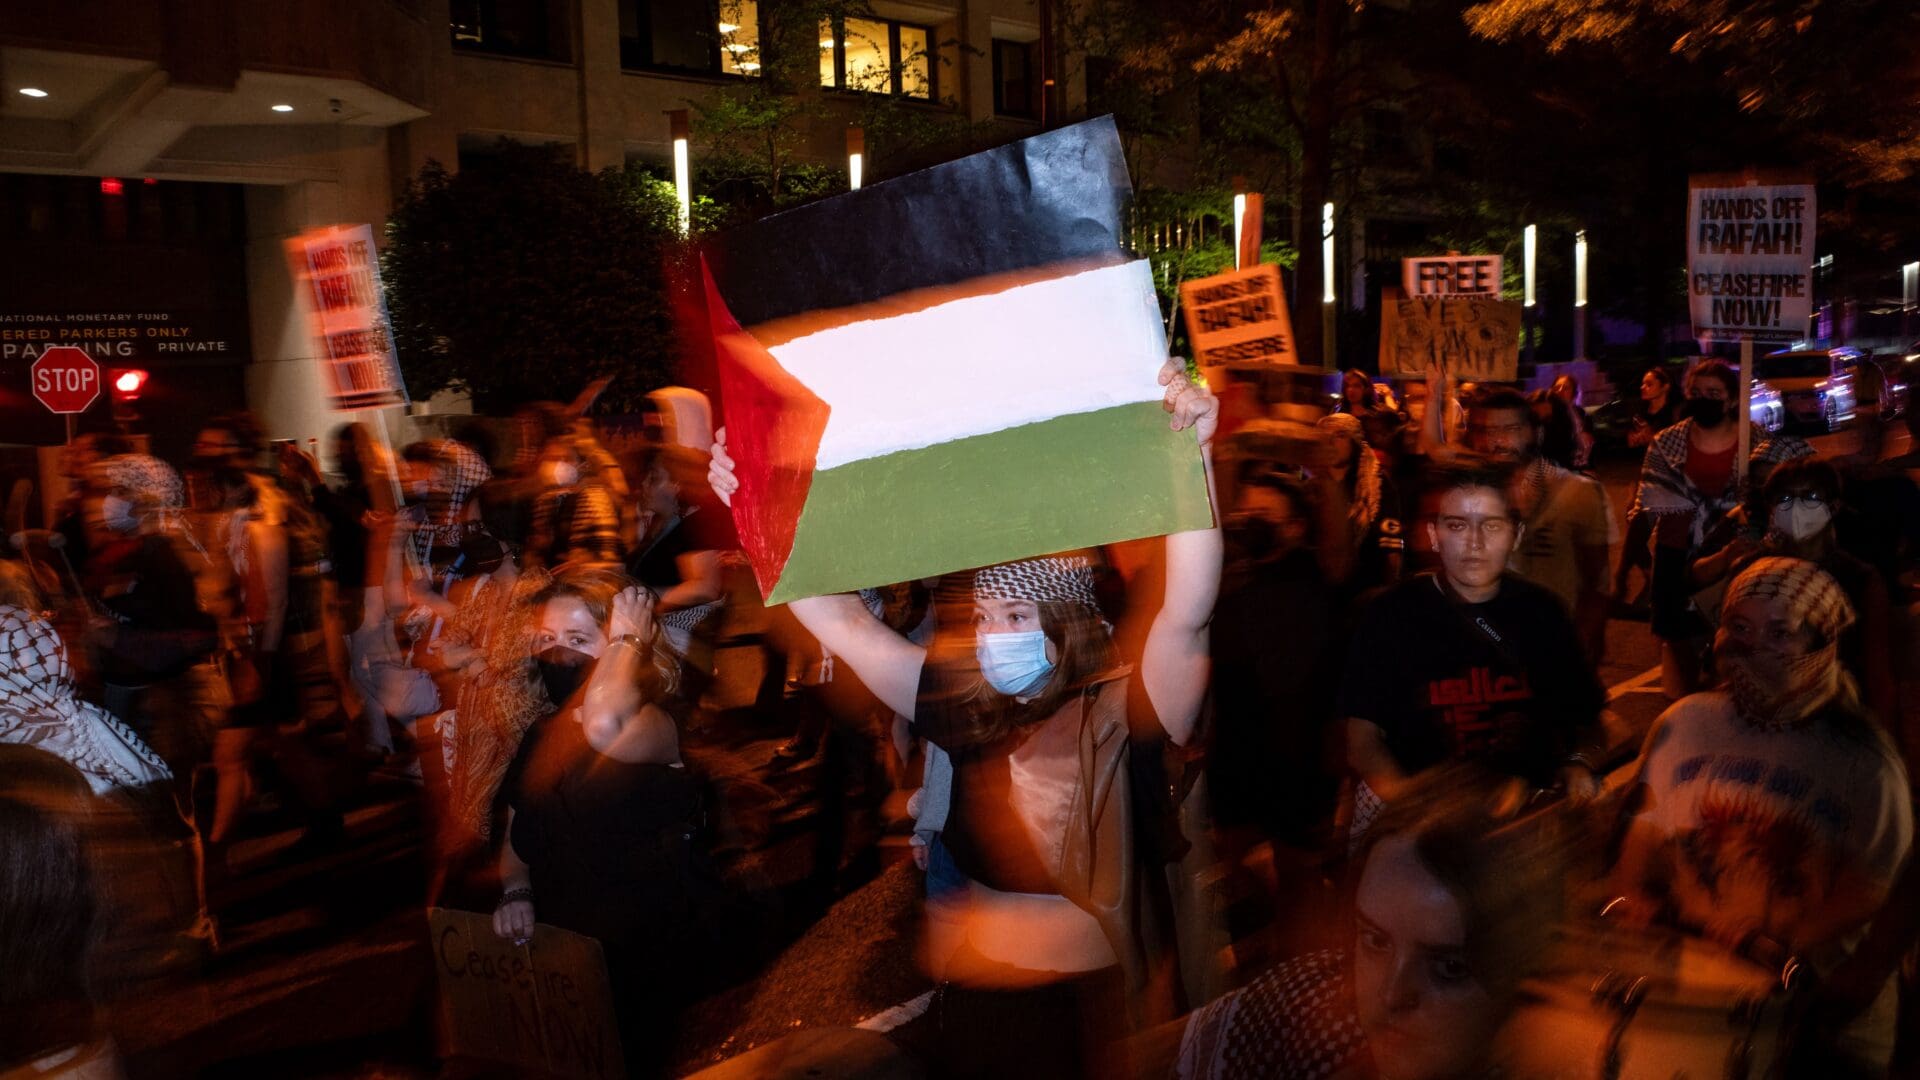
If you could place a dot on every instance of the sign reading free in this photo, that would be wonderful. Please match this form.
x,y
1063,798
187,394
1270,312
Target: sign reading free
x,y
1239,316
1476,276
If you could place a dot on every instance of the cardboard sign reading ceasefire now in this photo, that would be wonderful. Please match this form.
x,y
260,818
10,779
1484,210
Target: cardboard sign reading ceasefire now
x,y
1238,317
542,1009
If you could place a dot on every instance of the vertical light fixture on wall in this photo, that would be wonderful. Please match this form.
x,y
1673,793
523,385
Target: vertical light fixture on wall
x,y
1580,294
1910,285
1530,249
1326,253
682,183
1239,216
856,157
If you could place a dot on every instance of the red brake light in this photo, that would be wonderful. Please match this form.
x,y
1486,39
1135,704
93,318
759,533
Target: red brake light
x,y
128,383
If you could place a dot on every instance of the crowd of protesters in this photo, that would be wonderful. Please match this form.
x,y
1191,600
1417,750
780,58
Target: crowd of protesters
x,y
1329,789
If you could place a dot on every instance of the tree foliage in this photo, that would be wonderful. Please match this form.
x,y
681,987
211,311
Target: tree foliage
x,y
523,278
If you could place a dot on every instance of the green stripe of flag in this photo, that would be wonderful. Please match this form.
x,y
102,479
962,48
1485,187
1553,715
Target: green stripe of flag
x,y
1089,478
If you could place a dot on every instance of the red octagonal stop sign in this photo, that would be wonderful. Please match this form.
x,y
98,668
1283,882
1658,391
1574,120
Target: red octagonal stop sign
x,y
65,379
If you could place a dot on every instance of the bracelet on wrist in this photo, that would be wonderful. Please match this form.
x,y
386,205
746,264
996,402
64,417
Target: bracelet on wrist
x,y
1584,762
632,641
523,892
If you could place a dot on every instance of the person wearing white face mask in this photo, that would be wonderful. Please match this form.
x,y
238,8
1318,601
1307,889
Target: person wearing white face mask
x,y
576,519
1799,500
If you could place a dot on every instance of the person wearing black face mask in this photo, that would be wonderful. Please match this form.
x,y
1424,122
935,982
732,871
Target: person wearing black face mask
x,y
1689,482
603,822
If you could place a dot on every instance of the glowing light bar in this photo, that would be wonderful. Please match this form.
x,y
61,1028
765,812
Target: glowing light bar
x,y
282,108
33,91
682,183
111,185
1326,253
1530,246
1910,284
1580,268
1239,215
856,157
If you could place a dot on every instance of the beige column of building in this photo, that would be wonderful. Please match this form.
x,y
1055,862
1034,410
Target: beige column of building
x,y
603,119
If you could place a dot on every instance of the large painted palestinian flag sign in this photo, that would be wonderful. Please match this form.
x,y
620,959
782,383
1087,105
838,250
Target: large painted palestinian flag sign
x,y
947,370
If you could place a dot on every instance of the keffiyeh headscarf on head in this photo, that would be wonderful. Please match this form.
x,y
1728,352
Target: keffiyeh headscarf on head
x,y
1057,579
1365,504
1770,693
151,485
38,708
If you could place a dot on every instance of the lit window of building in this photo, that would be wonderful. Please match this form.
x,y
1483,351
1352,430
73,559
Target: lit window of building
x,y
877,56
703,38
1013,69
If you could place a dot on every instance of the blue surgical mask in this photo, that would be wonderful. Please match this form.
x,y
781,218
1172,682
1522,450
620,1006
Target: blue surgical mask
x,y
1014,664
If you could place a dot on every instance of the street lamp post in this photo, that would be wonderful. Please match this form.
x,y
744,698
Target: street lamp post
x,y
680,132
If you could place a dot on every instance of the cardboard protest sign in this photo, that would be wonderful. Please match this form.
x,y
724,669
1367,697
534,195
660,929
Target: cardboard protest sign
x,y
1466,338
1749,256
1239,316
946,370
542,1009
1471,276
339,268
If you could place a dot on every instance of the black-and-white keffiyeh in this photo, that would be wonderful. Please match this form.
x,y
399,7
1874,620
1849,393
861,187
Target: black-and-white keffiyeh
x,y
152,485
1293,1022
38,708
1666,489
1058,579
461,474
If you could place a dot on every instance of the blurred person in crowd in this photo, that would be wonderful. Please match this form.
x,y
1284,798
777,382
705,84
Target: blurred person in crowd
x,y
604,827
1455,904
1773,807
69,517
1374,530
1688,483
452,473
1567,389
1045,947
1879,514
577,518
1659,409
1567,525
683,533
39,706
488,650
1799,500
49,1026
1360,396
1469,663
150,636
1268,764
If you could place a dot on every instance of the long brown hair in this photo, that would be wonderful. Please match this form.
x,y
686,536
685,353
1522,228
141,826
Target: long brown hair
x,y
1085,648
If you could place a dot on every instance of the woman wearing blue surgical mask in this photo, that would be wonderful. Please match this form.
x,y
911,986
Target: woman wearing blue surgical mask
x,y
1047,948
